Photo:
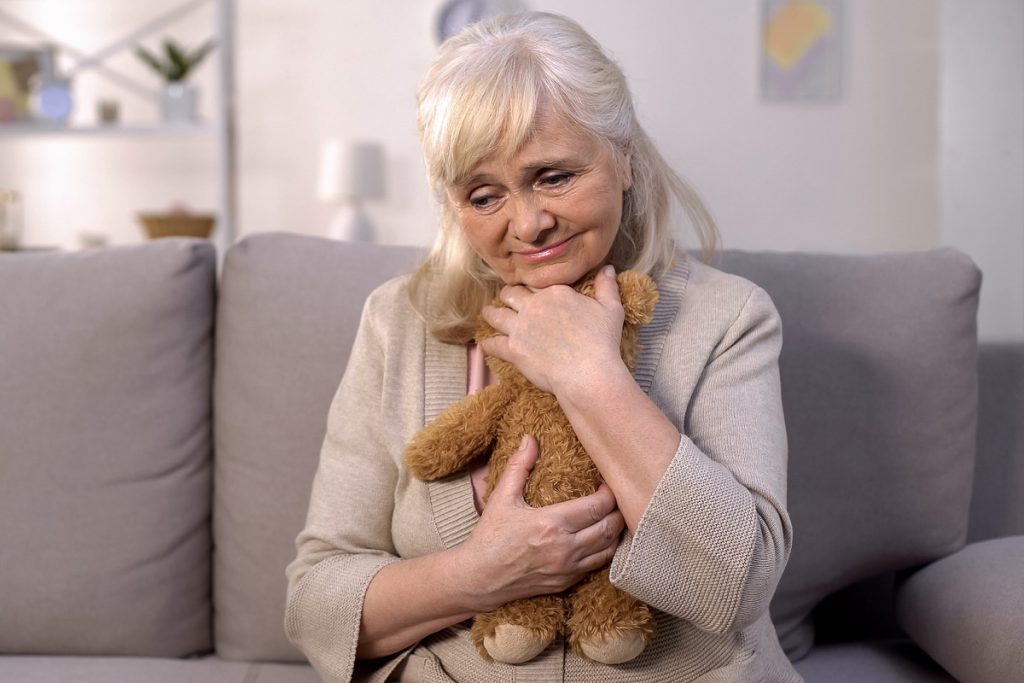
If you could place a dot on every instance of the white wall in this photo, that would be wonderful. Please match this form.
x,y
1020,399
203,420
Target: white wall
x,y
982,151
854,176
860,175
310,70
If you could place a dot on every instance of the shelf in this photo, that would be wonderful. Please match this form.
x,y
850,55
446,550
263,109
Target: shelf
x,y
16,130
218,130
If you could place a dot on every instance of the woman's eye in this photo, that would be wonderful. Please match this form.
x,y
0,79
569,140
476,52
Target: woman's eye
x,y
555,179
483,202
486,198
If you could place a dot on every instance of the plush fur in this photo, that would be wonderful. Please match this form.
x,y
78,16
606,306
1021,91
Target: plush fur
x,y
601,622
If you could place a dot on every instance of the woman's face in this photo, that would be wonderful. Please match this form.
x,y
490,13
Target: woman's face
x,y
548,214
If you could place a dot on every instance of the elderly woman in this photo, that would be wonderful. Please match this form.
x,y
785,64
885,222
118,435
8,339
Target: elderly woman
x,y
546,177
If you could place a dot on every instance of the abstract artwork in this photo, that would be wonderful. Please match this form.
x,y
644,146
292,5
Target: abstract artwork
x,y
801,50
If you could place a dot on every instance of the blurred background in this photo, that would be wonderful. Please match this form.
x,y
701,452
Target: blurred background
x,y
843,126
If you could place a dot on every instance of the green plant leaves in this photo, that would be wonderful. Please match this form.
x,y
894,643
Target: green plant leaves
x,y
176,62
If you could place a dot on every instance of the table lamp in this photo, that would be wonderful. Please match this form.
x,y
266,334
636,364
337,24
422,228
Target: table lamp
x,y
350,173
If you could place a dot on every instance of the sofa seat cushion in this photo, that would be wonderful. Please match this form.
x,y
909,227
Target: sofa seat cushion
x,y
209,669
105,437
878,662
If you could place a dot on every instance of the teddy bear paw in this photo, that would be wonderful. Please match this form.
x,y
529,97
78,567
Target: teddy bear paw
x,y
513,644
616,648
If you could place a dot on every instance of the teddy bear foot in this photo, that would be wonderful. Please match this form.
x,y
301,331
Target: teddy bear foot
x,y
616,649
512,644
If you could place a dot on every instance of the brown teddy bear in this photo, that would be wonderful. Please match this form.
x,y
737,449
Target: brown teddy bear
x,y
602,622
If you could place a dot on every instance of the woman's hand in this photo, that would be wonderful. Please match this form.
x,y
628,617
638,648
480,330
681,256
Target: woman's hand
x,y
517,551
557,337
514,552
568,344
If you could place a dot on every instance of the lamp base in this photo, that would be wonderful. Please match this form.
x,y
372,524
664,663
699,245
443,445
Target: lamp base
x,y
351,224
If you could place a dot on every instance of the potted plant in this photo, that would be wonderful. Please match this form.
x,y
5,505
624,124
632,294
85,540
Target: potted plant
x,y
174,65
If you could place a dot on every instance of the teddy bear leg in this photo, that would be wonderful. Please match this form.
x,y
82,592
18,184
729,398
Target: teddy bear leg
x,y
520,630
607,625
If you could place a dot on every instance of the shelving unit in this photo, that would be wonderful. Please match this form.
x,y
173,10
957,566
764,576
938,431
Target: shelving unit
x,y
220,130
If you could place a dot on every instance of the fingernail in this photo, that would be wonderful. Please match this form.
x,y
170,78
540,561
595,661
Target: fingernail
x,y
609,270
526,440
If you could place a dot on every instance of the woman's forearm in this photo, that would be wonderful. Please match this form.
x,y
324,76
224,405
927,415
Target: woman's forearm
x,y
409,600
628,437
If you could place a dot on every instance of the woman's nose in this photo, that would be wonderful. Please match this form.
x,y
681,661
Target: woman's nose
x,y
529,219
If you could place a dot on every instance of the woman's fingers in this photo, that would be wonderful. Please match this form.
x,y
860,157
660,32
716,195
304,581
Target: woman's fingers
x,y
596,560
591,526
521,551
580,513
517,470
496,346
513,296
606,287
602,534
499,318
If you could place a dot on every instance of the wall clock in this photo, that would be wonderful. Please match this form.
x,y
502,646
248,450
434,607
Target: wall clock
x,y
456,15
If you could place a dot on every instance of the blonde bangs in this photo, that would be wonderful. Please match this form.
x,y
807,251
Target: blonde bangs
x,y
481,114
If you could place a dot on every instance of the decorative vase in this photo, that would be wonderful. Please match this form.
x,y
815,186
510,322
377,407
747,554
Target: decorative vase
x,y
51,99
178,103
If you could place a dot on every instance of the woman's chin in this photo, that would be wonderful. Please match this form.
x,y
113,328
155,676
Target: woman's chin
x,y
549,275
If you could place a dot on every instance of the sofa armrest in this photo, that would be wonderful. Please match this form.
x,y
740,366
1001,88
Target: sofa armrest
x,y
997,508
967,611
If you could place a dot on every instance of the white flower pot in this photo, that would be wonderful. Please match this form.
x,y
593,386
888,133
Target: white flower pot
x,y
179,103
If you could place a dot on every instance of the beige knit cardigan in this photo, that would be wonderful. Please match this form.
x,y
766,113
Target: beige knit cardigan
x,y
707,553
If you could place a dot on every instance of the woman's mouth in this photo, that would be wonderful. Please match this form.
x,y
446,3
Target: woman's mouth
x,y
547,252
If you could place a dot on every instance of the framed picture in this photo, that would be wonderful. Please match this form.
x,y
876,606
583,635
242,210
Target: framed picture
x,y
19,65
801,50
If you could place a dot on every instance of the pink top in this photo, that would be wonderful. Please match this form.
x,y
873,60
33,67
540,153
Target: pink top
x,y
479,374
479,377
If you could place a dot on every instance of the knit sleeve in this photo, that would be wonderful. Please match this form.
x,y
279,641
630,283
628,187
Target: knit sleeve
x,y
714,539
347,537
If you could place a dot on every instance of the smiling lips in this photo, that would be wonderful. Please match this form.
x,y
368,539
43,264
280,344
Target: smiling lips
x,y
545,253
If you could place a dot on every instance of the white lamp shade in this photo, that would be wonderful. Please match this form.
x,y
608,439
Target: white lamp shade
x,y
350,171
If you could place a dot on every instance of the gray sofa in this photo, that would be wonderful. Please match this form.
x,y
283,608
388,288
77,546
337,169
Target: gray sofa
x,y
159,433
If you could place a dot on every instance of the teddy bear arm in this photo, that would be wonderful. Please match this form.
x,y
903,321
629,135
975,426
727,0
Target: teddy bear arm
x,y
457,436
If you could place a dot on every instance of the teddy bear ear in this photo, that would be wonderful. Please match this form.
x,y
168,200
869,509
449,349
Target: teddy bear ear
x,y
639,296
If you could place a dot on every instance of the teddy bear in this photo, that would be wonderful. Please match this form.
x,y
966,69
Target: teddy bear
x,y
601,622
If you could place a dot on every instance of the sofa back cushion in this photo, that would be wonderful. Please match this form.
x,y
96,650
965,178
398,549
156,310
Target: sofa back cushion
x,y
288,312
879,383
105,437
878,378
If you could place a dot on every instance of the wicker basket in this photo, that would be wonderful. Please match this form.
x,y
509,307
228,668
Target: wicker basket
x,y
177,224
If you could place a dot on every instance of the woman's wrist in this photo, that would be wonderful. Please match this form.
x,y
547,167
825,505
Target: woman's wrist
x,y
578,385
411,599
